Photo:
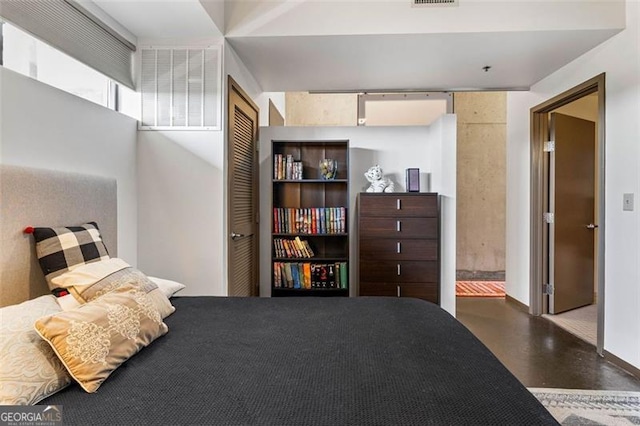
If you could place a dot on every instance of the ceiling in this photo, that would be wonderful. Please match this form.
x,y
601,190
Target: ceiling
x,y
286,50
161,19
411,62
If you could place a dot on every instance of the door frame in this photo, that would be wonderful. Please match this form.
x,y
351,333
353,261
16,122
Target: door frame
x,y
233,86
539,167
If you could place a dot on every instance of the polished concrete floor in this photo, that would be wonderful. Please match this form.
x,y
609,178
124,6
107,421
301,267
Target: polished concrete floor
x,y
538,352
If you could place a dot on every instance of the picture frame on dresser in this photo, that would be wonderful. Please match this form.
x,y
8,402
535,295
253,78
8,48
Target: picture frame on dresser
x,y
399,245
310,218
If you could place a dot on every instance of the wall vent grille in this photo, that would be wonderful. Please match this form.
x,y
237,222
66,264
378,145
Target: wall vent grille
x,y
422,3
181,88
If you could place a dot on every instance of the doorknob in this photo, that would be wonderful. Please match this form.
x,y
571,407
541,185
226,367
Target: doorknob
x,y
592,226
234,235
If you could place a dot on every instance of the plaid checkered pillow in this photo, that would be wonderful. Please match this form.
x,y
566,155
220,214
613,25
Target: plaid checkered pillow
x,y
61,249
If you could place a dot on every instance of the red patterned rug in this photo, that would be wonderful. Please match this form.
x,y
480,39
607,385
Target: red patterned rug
x,y
480,288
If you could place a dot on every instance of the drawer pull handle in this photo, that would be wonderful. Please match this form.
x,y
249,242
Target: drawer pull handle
x,y
399,248
398,291
398,269
398,204
398,226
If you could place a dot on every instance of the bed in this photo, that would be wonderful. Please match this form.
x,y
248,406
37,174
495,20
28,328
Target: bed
x,y
287,361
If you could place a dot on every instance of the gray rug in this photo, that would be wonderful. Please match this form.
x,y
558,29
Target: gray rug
x,y
590,407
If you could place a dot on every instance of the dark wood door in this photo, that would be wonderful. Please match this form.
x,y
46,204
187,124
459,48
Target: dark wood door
x,y
242,141
572,200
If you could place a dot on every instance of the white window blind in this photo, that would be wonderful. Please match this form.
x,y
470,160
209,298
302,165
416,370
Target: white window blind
x,y
71,29
181,88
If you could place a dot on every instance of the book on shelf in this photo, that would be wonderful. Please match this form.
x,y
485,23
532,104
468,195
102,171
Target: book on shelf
x,y
286,168
323,278
308,275
331,277
322,221
295,275
292,248
288,275
316,221
283,275
277,160
344,274
276,275
308,249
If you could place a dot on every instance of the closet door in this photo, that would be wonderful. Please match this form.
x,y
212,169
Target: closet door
x,y
243,193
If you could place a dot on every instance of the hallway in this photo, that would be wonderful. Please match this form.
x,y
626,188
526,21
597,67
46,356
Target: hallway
x,y
538,352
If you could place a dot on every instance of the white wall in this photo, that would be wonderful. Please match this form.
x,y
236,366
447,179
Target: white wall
x,y
443,180
619,58
182,176
180,181
394,149
44,127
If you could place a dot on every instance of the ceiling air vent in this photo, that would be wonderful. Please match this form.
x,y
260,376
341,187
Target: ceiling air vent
x,y
421,3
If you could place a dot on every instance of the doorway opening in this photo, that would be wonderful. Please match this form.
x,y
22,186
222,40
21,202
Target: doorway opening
x,y
481,184
567,238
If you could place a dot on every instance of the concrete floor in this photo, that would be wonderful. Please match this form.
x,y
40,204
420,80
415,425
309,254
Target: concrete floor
x,y
538,352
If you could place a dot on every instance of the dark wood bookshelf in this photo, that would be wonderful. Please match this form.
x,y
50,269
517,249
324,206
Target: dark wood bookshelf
x,y
315,292
307,195
328,182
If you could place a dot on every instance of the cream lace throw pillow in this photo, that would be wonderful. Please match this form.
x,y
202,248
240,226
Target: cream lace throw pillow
x,y
29,369
97,337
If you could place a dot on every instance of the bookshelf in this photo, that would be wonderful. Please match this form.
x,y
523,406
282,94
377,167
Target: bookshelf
x,y
309,219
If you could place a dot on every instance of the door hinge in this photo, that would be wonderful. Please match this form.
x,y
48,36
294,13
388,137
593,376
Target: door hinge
x,y
257,217
549,146
258,145
548,217
547,289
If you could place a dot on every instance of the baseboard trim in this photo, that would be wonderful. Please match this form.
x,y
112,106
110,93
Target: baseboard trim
x,y
517,304
465,275
634,371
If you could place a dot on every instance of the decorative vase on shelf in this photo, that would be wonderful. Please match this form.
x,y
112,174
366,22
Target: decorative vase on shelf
x,y
328,169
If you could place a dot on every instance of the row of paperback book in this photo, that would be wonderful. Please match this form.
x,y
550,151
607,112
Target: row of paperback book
x,y
292,248
284,167
310,275
316,220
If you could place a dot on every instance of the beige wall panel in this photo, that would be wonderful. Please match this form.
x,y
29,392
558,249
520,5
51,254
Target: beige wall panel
x,y
585,108
480,107
305,109
481,175
481,169
481,198
275,118
404,112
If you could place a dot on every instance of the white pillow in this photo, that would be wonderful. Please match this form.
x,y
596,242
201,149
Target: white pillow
x,y
86,275
93,280
168,287
29,369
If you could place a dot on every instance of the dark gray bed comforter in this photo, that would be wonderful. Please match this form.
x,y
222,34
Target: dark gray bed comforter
x,y
308,361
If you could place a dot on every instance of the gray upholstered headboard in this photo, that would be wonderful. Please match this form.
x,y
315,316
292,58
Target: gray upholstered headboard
x,y
34,197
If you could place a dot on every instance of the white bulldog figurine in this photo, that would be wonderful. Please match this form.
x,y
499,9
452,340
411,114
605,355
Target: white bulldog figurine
x,y
378,183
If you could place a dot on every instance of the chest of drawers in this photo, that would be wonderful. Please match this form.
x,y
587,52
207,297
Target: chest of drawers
x,y
399,245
